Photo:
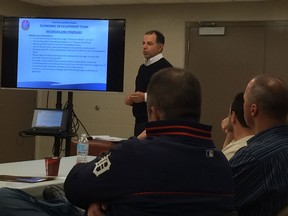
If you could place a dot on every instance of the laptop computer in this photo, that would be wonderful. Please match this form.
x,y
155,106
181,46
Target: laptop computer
x,y
50,122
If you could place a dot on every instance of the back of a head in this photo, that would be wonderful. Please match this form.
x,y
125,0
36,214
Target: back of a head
x,y
270,93
176,93
237,107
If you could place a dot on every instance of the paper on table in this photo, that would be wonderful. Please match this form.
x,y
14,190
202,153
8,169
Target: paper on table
x,y
27,179
106,138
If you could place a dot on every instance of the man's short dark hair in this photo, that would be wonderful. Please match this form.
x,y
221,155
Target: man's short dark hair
x,y
237,107
176,93
160,39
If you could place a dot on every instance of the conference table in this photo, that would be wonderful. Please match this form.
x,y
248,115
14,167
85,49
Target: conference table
x,y
36,168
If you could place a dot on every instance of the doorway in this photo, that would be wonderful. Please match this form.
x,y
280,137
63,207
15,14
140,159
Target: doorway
x,y
226,55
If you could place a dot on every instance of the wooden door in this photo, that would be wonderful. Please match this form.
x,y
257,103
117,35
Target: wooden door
x,y
276,49
224,63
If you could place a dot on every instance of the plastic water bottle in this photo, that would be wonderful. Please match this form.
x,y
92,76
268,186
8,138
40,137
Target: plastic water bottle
x,y
82,149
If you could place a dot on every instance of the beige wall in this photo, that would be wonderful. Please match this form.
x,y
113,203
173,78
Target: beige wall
x,y
114,118
17,8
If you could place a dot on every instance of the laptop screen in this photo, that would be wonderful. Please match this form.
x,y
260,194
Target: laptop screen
x,y
54,119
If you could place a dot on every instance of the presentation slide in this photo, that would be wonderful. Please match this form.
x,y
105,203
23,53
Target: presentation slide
x,y
56,53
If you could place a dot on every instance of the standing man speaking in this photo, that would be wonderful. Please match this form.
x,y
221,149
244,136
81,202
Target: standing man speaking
x,y
153,44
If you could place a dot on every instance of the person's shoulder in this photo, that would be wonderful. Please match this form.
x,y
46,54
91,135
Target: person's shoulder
x,y
130,141
269,140
141,67
260,148
125,147
242,156
166,62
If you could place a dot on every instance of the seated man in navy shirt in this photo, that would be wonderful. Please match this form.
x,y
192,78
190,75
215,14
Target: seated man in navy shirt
x,y
260,170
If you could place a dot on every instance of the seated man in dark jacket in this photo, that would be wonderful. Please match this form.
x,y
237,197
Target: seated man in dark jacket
x,y
175,170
